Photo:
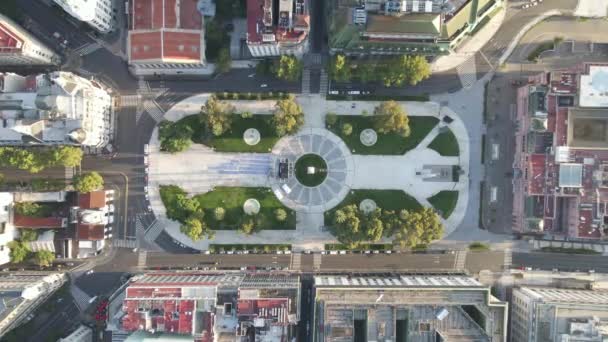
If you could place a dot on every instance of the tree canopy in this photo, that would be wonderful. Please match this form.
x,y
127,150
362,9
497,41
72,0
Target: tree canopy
x,y
19,251
35,160
195,228
412,228
217,115
88,182
390,117
173,137
340,69
288,117
351,226
44,258
224,62
289,68
391,71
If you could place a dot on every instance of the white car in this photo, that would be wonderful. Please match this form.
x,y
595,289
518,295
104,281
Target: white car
x,y
111,208
146,189
146,149
264,85
110,219
110,194
89,272
145,160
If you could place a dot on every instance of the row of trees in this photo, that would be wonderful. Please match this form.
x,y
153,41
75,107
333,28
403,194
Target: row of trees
x,y
35,160
388,117
20,250
87,182
287,68
392,72
407,228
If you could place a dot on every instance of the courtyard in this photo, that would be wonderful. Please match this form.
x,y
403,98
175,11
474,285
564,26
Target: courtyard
x,y
315,171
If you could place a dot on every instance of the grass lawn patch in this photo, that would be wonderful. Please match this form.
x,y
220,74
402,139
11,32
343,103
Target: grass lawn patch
x,y
478,246
311,160
444,202
232,199
569,250
232,141
445,144
385,199
388,144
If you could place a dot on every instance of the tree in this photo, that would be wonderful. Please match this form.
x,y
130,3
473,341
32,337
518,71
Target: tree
x,y
19,251
174,137
390,117
28,235
418,227
288,116
67,156
289,68
27,209
249,226
217,115
223,62
44,258
196,229
352,226
219,213
339,69
280,214
88,182
347,129
418,69
331,119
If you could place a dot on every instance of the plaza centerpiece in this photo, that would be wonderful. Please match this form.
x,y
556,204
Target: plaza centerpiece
x,y
311,170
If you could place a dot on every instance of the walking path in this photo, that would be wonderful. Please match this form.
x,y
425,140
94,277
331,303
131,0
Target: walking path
x,y
420,172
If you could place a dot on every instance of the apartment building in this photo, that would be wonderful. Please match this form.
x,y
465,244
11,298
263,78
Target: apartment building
x,y
99,14
19,47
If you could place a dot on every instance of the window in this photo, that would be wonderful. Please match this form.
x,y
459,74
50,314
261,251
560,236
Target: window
x,y
2,227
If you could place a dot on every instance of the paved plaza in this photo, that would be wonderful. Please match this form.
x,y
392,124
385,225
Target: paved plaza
x,y
420,172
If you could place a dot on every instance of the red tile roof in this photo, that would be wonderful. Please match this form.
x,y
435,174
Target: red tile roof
x,y
537,174
159,33
20,221
89,232
92,200
266,308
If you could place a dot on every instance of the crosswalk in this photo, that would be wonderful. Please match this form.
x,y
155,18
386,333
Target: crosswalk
x,y
306,81
141,258
324,83
131,243
508,259
154,110
129,100
154,231
316,261
315,58
120,336
461,257
143,86
80,297
467,72
296,259
87,49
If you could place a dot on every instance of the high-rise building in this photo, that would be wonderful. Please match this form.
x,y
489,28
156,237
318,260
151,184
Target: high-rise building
x,y
97,13
19,47
277,27
55,108
165,37
555,314
406,307
22,293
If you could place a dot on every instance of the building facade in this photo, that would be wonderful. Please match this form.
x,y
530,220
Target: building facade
x,y
166,37
82,334
390,307
553,314
7,230
19,47
55,108
99,14
277,28
396,27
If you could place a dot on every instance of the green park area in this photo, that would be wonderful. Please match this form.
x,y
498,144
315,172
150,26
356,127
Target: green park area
x,y
446,144
390,143
222,209
444,202
385,199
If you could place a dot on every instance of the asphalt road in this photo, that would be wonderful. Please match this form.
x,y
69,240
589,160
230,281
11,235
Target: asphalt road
x,y
562,262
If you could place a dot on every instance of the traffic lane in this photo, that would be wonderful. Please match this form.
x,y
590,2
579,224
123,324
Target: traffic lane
x,y
490,260
116,71
62,319
563,262
100,283
170,245
161,259
387,262
124,260
306,303
447,81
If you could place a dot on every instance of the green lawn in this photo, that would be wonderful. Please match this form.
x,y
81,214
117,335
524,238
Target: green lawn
x,y
445,144
388,144
477,246
232,199
385,199
444,202
311,160
232,141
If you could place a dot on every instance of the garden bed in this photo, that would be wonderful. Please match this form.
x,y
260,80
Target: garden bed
x,y
385,199
255,248
361,247
444,202
569,250
387,144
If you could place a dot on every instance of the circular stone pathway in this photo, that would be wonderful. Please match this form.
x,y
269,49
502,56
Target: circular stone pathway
x,y
368,137
367,206
251,206
339,178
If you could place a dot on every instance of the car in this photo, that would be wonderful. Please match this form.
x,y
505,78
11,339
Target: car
x,y
111,208
367,252
230,252
147,197
110,219
287,252
342,252
250,75
333,252
110,193
146,189
334,92
109,236
69,264
353,105
279,252
264,85
388,252
243,268
146,149
323,252
90,272
145,160
149,208
206,252
308,251
376,251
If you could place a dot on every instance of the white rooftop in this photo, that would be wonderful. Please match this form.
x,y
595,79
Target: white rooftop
x,y
570,175
567,295
594,87
397,281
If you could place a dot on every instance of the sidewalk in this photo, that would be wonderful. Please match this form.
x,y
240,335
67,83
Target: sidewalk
x,y
471,46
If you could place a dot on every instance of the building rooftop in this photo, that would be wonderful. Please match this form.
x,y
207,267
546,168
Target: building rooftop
x,y
412,23
20,221
166,30
267,24
9,40
594,87
558,295
90,232
156,279
92,200
405,281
